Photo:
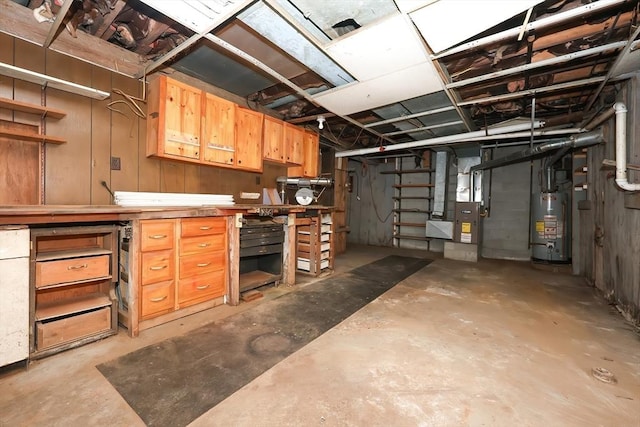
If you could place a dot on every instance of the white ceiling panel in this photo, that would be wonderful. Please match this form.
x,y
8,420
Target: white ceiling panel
x,y
198,15
445,23
407,6
371,52
415,81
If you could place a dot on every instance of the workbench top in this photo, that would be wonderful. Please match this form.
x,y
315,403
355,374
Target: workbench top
x,y
47,214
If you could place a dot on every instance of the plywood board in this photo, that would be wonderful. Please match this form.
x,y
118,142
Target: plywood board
x,y
124,137
100,140
148,167
19,178
171,177
6,83
68,166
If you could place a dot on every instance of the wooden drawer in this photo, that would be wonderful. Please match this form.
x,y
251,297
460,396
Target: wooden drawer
x,y
156,235
202,244
71,270
202,264
67,329
157,266
157,299
202,288
203,226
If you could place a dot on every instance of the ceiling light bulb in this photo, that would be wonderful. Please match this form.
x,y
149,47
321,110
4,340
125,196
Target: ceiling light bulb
x,y
321,122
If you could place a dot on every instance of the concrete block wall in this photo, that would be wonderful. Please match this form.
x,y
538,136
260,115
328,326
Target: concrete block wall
x,y
505,232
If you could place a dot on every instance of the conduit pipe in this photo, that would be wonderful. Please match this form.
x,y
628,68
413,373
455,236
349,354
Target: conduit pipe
x,y
441,140
621,149
574,141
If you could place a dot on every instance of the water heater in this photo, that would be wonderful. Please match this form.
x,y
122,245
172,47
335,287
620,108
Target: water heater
x,y
550,231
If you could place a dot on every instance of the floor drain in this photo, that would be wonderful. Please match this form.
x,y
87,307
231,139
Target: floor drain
x,y
603,375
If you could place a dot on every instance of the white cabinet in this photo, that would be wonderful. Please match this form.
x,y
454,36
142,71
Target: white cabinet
x,y
14,288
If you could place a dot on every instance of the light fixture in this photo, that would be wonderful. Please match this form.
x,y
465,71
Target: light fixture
x,y
321,121
49,81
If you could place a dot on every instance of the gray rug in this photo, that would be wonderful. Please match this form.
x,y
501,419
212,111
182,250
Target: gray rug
x,y
177,380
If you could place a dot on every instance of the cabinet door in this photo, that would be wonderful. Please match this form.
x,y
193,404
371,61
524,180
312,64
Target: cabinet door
x,y
249,139
309,167
273,139
182,106
293,140
218,139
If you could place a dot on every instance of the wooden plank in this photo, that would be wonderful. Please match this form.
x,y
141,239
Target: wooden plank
x,y
71,306
12,104
289,251
134,299
171,177
19,135
19,179
124,138
17,21
100,140
74,185
233,291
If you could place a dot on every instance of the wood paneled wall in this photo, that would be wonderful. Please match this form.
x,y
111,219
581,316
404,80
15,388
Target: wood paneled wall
x,y
98,130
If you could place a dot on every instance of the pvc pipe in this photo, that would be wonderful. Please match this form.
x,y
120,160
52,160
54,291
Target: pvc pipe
x,y
442,140
621,149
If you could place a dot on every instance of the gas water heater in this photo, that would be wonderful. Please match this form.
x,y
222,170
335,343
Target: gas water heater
x,y
550,219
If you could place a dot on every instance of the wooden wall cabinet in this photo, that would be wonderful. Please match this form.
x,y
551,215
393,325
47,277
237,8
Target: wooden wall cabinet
x,y
182,262
73,274
218,131
293,143
273,140
173,120
249,139
310,157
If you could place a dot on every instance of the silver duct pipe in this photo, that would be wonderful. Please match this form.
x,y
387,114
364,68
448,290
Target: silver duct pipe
x,y
305,182
574,141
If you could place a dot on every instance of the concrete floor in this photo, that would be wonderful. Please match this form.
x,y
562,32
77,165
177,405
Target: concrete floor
x,y
487,343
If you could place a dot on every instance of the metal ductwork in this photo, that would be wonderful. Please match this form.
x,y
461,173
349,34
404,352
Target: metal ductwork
x,y
574,141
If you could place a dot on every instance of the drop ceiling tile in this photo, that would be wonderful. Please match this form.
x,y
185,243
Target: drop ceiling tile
x,y
384,90
407,6
445,23
387,46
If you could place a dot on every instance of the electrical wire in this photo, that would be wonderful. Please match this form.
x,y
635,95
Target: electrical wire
x,y
365,172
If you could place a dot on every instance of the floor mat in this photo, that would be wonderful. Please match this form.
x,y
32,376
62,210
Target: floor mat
x,y
177,380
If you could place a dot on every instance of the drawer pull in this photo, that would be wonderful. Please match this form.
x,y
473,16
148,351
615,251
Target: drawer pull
x,y
205,227
202,287
204,245
158,299
158,236
77,267
203,264
157,268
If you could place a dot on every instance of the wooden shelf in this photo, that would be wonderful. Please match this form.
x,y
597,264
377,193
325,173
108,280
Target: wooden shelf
x,y
257,278
413,185
27,136
24,107
409,210
412,197
407,171
403,237
410,224
55,309
73,253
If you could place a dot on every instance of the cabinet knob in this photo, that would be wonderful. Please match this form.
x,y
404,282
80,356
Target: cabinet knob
x,y
203,264
158,299
202,287
157,268
77,267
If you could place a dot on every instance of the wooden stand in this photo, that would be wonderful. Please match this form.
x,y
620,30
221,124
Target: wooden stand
x,y
72,287
314,253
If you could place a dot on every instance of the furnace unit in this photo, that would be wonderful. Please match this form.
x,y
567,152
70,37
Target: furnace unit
x,y
466,228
